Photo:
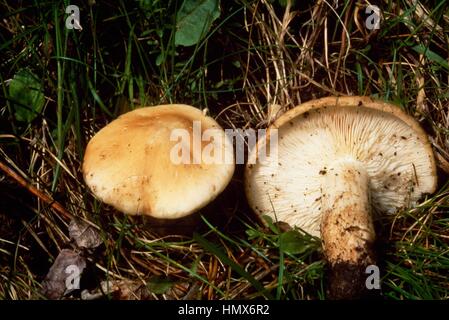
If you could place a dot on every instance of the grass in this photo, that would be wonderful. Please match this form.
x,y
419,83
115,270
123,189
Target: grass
x,y
257,55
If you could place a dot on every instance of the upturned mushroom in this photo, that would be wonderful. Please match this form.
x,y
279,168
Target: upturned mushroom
x,y
164,162
340,162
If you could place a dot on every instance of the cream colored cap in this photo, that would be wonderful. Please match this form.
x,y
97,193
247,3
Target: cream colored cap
x,y
135,164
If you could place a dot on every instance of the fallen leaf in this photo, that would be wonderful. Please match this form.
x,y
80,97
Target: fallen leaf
x,y
84,235
64,275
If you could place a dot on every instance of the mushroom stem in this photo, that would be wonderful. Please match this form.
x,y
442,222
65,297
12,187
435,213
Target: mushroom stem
x,y
347,228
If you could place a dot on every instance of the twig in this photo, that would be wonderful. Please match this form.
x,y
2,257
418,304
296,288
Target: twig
x,y
47,199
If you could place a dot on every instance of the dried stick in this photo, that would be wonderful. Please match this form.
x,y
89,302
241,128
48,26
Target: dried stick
x,y
47,199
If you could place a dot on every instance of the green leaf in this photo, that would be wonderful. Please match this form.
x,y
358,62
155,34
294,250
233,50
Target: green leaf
x,y
284,3
26,93
159,285
194,20
160,59
431,55
269,221
146,4
252,234
293,242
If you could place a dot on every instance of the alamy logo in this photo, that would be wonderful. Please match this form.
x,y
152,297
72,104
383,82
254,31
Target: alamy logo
x,y
211,146
373,280
72,282
73,20
372,22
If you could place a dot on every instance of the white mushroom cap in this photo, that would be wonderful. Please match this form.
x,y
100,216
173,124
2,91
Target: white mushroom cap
x,y
312,137
129,163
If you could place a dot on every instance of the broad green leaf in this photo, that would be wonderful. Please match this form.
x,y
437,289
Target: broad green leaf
x,y
194,20
159,285
293,242
26,94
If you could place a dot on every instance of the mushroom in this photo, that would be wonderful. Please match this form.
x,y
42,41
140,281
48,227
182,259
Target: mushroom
x,y
339,163
164,162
